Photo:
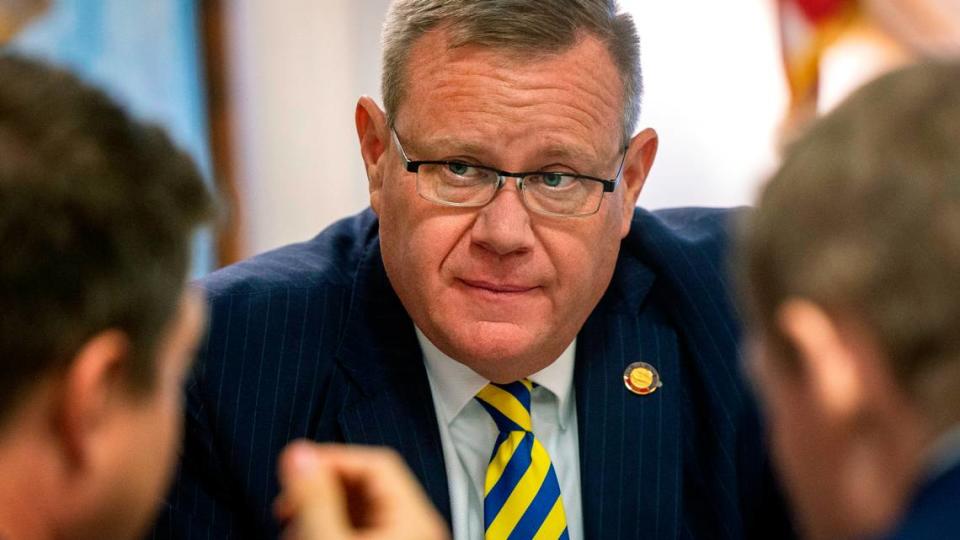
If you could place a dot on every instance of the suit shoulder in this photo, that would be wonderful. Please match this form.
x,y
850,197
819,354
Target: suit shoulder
x,y
692,226
328,260
697,237
687,251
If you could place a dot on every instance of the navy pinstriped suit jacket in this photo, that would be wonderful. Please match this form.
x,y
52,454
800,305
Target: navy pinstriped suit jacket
x,y
311,341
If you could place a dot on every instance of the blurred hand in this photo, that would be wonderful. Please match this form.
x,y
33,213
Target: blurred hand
x,y
337,492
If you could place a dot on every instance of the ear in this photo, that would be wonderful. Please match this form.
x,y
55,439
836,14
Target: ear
x,y
636,166
374,139
91,391
828,357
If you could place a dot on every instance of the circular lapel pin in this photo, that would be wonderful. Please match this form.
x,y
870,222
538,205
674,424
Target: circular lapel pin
x,y
641,378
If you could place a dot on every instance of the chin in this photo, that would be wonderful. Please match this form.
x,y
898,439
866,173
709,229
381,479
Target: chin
x,y
499,351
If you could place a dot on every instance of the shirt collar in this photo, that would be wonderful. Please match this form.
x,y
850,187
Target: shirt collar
x,y
945,452
454,384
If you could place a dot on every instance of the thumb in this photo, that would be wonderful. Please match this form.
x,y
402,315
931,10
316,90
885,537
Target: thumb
x,y
312,498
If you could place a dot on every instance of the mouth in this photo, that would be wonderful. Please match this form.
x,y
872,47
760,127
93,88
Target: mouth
x,y
498,289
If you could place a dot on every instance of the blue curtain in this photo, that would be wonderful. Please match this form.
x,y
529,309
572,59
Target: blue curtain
x,y
144,53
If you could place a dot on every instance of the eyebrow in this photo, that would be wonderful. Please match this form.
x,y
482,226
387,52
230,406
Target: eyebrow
x,y
451,144
448,145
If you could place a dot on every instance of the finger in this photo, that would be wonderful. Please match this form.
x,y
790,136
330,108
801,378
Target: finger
x,y
385,499
313,499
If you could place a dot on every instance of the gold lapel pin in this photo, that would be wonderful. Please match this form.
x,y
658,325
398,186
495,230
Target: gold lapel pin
x,y
641,378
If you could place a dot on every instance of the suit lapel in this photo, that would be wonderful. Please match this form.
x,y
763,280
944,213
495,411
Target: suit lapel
x,y
388,401
629,444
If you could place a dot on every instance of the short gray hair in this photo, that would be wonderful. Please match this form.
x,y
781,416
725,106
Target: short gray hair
x,y
525,26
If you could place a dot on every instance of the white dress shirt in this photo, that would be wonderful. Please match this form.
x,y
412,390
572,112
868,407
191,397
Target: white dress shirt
x,y
468,433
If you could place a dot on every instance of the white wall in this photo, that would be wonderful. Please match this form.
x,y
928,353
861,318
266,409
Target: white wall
x,y
713,90
300,66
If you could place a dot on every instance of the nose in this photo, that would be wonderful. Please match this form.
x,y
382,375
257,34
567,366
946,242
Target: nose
x,y
503,225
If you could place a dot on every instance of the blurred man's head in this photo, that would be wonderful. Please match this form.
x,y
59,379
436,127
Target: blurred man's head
x,y
96,326
498,277
851,265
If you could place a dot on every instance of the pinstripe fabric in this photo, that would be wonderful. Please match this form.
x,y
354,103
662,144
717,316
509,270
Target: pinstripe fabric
x,y
693,448
522,494
310,341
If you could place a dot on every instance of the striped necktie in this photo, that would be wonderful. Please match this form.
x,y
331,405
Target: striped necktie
x,y
521,492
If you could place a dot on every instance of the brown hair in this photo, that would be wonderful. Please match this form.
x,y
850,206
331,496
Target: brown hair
x,y
863,218
96,217
515,26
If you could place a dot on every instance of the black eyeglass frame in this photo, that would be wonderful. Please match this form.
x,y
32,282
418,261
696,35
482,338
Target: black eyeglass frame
x,y
413,166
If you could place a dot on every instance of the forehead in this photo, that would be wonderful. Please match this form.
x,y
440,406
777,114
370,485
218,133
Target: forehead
x,y
487,96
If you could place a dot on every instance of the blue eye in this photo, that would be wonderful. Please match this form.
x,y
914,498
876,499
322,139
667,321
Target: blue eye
x,y
552,179
458,168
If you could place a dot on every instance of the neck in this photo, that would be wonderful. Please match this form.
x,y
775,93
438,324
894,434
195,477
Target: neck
x,y
882,476
31,467
25,500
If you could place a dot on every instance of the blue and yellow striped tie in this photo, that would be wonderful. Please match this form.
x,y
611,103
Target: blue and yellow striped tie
x,y
521,493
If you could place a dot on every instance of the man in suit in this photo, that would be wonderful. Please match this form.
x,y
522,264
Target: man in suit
x,y
547,358
850,269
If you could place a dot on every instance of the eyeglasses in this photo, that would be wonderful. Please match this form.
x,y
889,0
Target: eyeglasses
x,y
467,185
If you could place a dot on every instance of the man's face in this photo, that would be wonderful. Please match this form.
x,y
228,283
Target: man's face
x,y
148,436
500,288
